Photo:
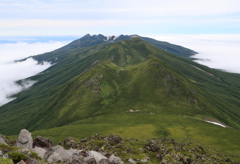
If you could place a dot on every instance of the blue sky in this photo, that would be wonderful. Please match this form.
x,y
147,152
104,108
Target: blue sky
x,y
151,17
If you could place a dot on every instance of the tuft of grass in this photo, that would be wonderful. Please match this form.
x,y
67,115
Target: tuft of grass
x,y
7,148
34,155
17,156
5,161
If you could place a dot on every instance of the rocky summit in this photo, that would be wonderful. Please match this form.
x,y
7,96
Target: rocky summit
x,y
109,149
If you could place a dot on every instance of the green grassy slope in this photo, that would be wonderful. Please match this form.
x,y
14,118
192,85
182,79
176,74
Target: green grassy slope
x,y
148,125
171,48
151,86
56,101
133,89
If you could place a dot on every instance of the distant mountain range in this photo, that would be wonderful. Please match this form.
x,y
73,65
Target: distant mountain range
x,y
131,86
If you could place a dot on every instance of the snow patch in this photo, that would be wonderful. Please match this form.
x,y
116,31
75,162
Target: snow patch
x,y
108,37
216,123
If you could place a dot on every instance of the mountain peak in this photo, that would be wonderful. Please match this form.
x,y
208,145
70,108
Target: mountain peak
x,y
110,38
87,36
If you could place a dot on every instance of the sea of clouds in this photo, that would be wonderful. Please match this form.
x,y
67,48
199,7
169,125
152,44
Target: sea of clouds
x,y
219,51
11,71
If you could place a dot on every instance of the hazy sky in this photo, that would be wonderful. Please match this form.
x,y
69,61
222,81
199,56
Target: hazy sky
x,y
145,17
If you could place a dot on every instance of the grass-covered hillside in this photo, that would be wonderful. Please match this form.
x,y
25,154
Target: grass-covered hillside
x,y
130,88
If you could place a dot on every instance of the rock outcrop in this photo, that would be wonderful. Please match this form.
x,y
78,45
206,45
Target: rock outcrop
x,y
59,153
25,139
114,159
3,139
40,151
109,149
96,155
42,142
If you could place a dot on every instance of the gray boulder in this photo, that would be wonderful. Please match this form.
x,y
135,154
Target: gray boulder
x,y
2,141
40,151
24,139
131,160
75,158
104,161
63,153
89,160
47,153
32,161
75,155
54,158
96,155
115,160
71,152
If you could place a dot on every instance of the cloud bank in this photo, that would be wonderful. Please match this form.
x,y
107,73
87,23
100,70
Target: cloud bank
x,y
219,51
11,71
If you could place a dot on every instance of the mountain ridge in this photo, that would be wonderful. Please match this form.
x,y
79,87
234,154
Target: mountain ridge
x,y
122,53
123,86
92,40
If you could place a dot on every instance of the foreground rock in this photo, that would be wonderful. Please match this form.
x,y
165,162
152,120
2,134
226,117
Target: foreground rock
x,y
3,139
114,150
97,156
25,140
42,142
59,154
109,149
40,151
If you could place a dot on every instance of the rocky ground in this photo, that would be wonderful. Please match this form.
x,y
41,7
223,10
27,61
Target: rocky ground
x,y
110,149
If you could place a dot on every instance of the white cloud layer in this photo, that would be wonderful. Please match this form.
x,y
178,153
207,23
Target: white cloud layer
x,y
219,51
11,71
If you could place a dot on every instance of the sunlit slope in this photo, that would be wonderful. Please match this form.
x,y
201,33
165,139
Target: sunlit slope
x,y
127,81
150,86
145,125
107,88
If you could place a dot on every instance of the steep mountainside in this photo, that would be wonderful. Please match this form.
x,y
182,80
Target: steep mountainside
x,y
50,98
131,88
108,88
